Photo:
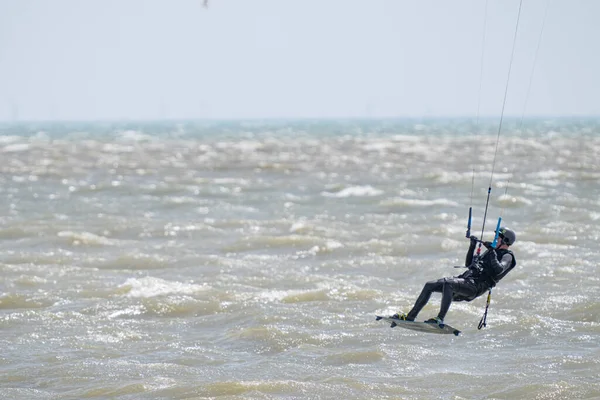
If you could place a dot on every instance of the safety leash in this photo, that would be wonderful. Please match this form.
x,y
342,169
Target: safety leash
x,y
482,322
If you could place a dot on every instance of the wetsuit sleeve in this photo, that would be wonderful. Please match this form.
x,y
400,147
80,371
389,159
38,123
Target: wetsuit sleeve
x,y
499,267
469,258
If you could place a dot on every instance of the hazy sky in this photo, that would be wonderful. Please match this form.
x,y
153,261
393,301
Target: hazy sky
x,y
140,59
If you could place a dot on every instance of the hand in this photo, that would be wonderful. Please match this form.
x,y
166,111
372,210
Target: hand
x,y
473,238
475,267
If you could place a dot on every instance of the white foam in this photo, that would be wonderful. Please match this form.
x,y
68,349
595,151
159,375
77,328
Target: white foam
x,y
16,148
419,202
355,191
85,238
151,287
134,136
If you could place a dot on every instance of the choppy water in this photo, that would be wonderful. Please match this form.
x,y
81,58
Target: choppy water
x,y
248,260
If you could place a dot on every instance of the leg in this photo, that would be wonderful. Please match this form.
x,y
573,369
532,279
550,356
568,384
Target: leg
x,y
430,287
447,294
452,287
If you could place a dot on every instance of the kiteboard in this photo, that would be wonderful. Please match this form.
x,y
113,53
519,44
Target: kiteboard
x,y
420,326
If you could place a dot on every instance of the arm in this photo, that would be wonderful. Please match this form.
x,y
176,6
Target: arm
x,y
499,267
469,258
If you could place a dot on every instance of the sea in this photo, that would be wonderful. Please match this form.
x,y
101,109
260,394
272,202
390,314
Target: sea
x,y
248,259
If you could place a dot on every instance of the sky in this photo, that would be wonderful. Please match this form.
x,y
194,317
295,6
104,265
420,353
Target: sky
x,y
240,59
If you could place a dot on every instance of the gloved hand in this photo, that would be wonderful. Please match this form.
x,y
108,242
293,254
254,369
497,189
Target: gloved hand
x,y
475,267
473,238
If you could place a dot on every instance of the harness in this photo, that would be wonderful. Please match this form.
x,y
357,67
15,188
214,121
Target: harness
x,y
481,274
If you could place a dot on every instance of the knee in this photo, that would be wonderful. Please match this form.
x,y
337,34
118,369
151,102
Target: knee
x,y
449,283
431,285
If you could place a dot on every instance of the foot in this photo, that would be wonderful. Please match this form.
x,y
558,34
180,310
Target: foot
x,y
436,320
403,317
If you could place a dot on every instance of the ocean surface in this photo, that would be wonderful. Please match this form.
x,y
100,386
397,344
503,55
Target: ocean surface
x,y
248,259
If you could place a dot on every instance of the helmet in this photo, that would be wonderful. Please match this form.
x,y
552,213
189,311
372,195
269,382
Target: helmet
x,y
508,236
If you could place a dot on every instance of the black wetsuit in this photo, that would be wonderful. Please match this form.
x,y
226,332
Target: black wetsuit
x,y
483,273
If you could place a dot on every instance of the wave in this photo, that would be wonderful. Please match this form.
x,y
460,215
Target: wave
x,y
11,301
135,261
401,201
152,287
86,238
355,357
354,191
270,242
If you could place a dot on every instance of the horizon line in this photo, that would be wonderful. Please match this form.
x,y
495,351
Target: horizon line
x,y
284,119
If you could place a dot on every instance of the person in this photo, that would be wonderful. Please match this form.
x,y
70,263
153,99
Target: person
x,y
483,273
